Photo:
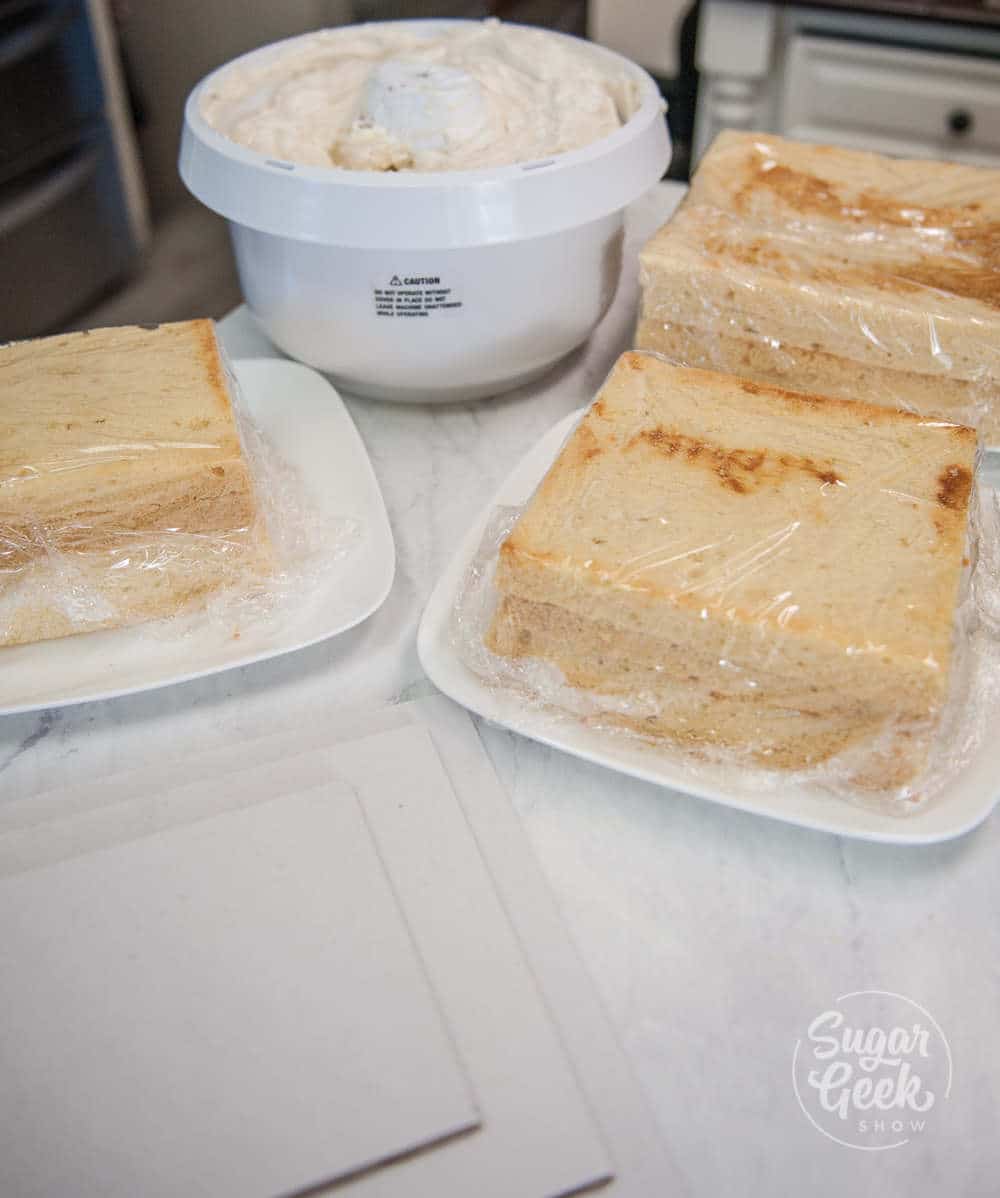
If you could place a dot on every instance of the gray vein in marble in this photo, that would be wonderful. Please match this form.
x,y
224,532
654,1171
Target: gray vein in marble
x,y
45,721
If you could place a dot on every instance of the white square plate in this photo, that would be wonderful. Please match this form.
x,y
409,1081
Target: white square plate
x,y
230,1007
495,1027
965,802
305,421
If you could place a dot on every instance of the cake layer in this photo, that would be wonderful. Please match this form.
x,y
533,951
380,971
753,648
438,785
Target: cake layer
x,y
83,591
772,180
117,430
879,301
658,690
124,492
826,269
770,361
760,560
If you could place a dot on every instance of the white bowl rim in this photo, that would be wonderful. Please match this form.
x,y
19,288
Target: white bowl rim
x,y
483,206
652,104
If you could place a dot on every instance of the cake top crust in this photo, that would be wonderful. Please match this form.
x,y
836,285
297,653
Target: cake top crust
x,y
910,233
772,179
79,400
113,432
749,503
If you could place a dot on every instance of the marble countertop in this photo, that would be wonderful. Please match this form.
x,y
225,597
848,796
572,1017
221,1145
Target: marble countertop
x,y
714,937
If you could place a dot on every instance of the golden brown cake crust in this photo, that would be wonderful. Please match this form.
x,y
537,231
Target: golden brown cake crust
x,y
882,273
792,557
868,299
117,430
763,177
124,490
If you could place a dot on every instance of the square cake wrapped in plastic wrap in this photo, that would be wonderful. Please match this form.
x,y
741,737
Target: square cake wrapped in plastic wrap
x,y
728,568
834,271
126,493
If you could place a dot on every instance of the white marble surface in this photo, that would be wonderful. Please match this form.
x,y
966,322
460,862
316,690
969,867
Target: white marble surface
x,y
714,937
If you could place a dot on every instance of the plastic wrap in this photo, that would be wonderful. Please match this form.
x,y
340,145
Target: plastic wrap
x,y
837,272
807,591
134,487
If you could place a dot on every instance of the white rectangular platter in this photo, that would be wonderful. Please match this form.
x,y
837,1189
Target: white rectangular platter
x,y
305,422
965,802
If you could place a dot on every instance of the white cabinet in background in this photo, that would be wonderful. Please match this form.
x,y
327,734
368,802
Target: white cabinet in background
x,y
895,85
911,102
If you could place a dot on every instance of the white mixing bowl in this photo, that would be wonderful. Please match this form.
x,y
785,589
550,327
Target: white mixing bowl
x,y
430,286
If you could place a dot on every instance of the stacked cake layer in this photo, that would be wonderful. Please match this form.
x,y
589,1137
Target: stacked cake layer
x,y
124,491
734,564
834,271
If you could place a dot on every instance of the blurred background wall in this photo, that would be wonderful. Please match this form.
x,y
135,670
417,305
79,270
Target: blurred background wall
x,y
168,46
